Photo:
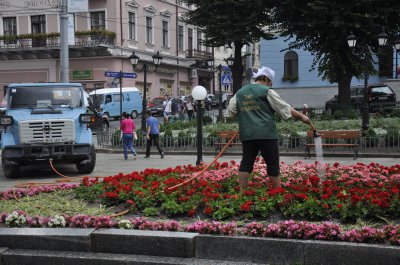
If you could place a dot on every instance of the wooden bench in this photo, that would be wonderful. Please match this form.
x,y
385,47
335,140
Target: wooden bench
x,y
223,139
330,139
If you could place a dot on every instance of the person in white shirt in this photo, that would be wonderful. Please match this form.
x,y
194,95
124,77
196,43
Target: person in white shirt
x,y
189,108
167,108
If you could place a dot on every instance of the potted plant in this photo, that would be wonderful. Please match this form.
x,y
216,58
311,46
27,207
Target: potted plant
x,y
53,39
25,40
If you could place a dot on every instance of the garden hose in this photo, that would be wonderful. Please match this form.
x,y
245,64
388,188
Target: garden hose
x,y
195,175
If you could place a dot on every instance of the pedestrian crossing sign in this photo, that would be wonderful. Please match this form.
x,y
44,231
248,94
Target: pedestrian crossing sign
x,y
226,78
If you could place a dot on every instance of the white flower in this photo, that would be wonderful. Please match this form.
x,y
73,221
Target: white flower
x,y
380,131
57,221
14,219
125,224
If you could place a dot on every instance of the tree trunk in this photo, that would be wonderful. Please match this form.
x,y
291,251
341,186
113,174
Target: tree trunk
x,y
237,68
344,81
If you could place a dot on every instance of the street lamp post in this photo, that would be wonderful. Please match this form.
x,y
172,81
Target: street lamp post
x,y
365,51
157,58
199,93
219,69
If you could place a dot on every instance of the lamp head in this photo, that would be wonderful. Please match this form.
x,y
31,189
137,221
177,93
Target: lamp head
x,y
397,45
199,93
134,59
230,61
382,38
210,62
351,40
157,58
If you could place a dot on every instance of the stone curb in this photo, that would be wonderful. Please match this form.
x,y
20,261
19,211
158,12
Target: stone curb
x,y
192,245
211,153
46,257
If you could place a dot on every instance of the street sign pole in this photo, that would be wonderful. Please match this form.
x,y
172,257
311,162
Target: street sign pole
x,y
120,95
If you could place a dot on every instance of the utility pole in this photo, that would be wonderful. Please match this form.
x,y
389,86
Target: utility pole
x,y
64,53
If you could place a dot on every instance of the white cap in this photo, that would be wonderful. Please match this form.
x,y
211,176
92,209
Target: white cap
x,y
268,72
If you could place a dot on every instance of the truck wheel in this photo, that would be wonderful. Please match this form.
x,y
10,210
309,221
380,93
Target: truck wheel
x,y
87,168
134,114
11,171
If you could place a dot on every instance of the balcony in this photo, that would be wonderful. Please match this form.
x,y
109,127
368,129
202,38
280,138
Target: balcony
x,y
198,54
47,45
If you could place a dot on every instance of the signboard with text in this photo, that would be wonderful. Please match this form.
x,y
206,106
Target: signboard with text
x,y
82,74
78,6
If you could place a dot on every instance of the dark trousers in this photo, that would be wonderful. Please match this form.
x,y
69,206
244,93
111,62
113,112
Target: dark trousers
x,y
190,114
154,139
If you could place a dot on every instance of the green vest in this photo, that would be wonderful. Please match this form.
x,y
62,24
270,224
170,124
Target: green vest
x,y
255,115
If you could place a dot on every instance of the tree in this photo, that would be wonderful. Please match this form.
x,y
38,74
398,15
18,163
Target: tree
x,y
227,22
322,28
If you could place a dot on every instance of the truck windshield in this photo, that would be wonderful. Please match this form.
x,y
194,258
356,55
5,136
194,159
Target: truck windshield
x,y
44,97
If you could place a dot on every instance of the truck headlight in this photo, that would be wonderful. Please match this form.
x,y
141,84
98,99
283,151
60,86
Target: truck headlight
x,y
6,120
86,118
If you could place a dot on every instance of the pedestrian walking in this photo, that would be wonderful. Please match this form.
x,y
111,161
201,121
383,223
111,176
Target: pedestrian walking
x,y
152,135
189,108
255,105
127,134
167,104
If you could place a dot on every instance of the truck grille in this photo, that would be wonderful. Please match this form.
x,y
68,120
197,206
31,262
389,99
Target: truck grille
x,y
47,131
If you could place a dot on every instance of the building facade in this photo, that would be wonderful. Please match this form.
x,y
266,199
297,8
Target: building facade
x,y
101,40
293,67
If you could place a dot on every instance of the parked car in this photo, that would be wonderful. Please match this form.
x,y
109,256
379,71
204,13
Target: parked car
x,y
380,96
157,109
155,101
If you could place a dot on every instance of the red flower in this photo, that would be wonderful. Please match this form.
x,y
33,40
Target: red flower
x,y
111,194
191,212
245,207
208,210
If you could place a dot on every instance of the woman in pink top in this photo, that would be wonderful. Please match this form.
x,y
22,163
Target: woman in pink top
x,y
127,129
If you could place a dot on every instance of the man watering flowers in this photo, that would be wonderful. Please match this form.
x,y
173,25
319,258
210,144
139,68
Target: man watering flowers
x,y
255,105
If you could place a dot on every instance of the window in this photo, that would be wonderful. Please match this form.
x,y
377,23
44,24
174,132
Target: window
x,y
180,37
132,25
199,40
291,63
38,24
98,20
10,26
149,30
385,57
190,39
165,33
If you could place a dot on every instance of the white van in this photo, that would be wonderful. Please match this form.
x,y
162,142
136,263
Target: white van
x,y
108,101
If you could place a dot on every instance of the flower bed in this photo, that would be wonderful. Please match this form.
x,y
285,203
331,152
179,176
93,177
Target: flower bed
x,y
345,193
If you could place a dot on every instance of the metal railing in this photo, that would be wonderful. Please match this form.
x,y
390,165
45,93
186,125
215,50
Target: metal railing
x,y
388,143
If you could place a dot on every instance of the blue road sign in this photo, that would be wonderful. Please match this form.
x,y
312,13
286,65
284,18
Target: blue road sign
x,y
226,78
111,74
129,75
116,74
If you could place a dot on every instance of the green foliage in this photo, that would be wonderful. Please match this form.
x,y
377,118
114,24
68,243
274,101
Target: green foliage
x,y
240,23
151,211
395,113
207,120
338,114
322,27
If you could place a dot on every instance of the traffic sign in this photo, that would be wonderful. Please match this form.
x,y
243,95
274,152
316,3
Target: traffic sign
x,y
129,75
116,74
111,74
226,78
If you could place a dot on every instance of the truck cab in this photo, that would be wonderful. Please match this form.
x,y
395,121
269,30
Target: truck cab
x,y
46,121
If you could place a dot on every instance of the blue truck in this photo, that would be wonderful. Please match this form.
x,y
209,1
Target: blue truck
x,y
46,121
